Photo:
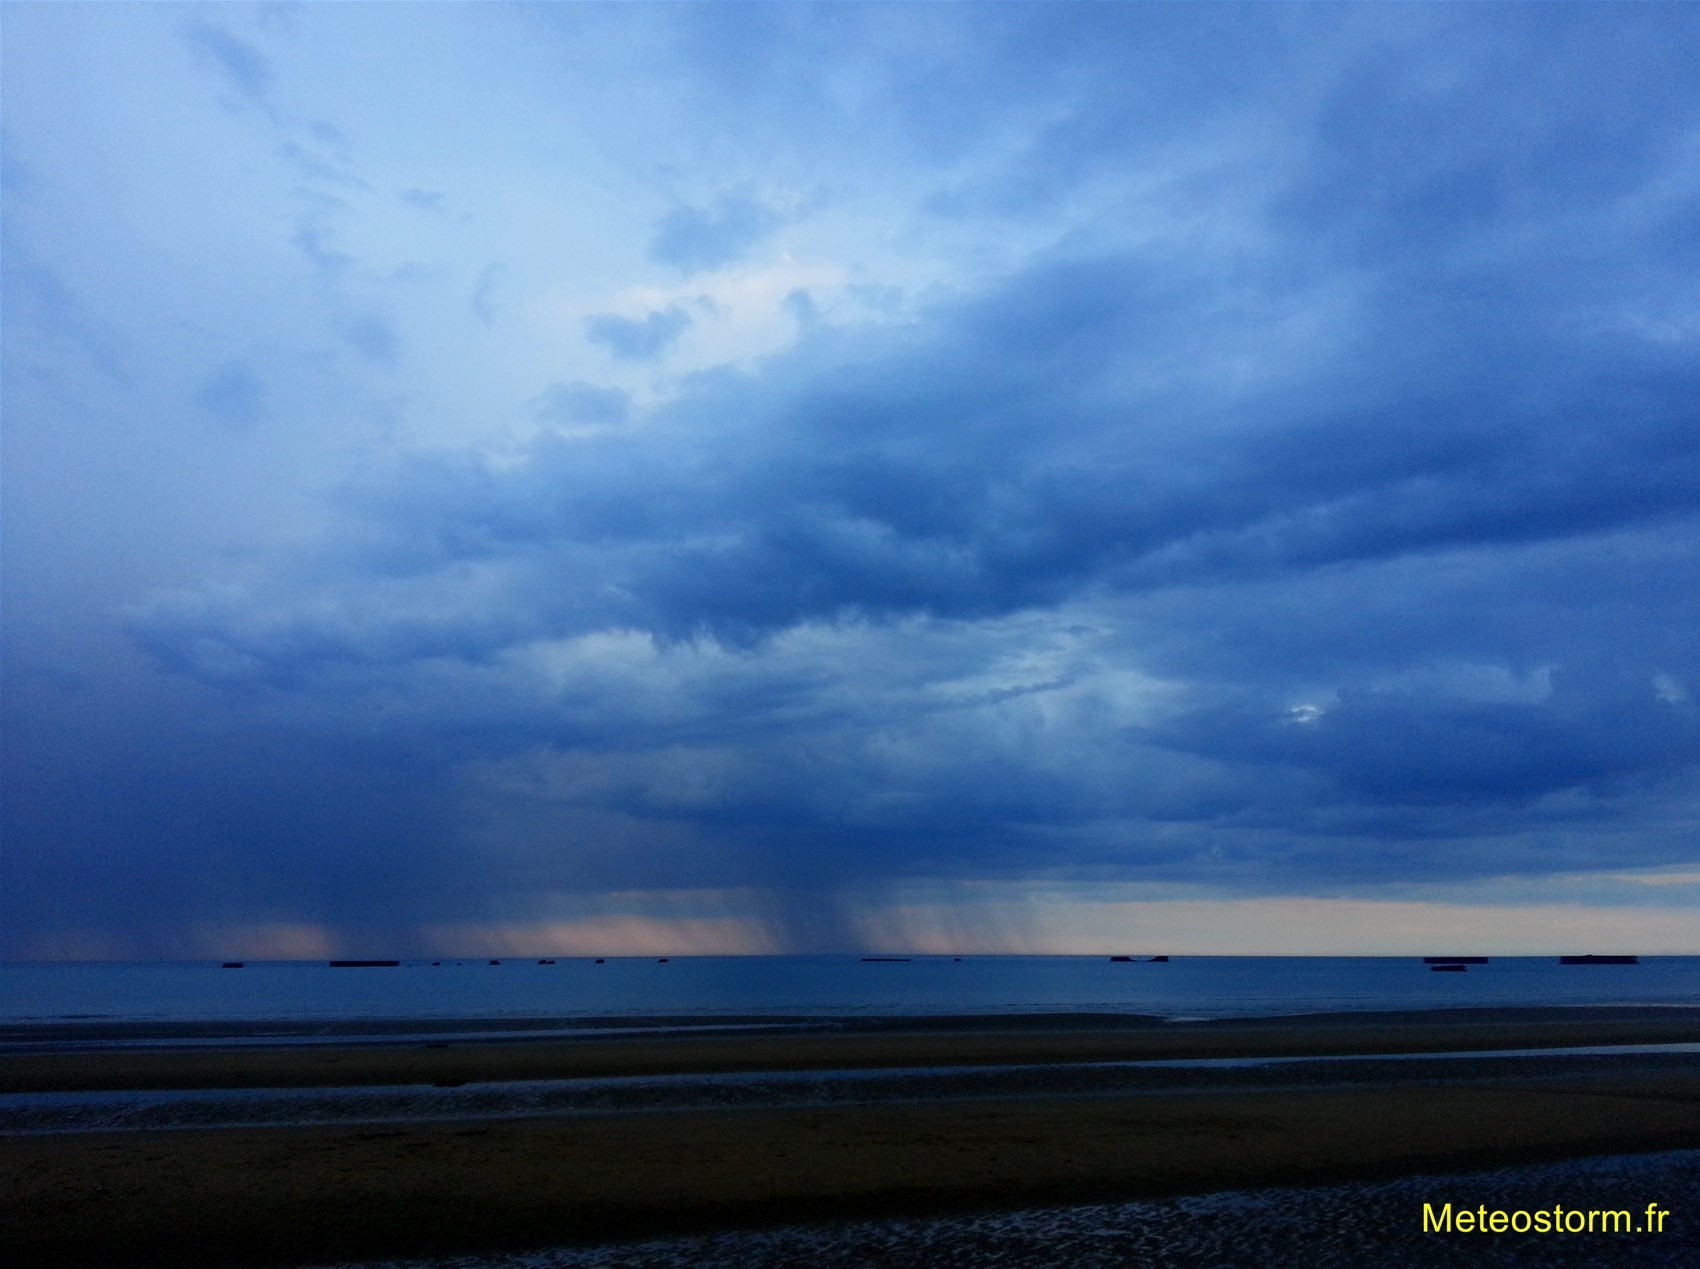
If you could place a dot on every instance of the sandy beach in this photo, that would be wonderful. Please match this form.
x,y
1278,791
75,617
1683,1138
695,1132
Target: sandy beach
x,y
968,1041
304,1195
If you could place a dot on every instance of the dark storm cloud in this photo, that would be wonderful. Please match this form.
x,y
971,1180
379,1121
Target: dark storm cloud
x,y
1407,749
982,467
1616,595
999,458
1404,160
990,460
633,340
1290,480
165,821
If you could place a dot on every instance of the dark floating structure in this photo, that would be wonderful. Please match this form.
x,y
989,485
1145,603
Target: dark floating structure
x,y
1141,960
495,962
545,962
887,960
599,960
1449,968
661,960
1455,960
364,964
1599,960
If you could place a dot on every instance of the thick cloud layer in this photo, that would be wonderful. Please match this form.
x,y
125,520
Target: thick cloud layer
x,y
1253,451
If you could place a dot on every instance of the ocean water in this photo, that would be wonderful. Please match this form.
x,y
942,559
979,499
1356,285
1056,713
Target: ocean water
x,y
1319,1227
526,994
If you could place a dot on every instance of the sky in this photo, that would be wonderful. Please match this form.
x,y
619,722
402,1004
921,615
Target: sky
x,y
766,478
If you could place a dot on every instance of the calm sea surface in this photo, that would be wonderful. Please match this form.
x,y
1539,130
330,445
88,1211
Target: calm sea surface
x,y
708,990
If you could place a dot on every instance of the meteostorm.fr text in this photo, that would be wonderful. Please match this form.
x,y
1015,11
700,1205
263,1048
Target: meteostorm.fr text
x,y
1555,1220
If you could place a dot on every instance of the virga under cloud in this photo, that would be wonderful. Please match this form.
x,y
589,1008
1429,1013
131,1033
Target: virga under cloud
x,y
1212,452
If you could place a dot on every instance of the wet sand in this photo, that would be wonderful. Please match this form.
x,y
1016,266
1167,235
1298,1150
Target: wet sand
x,y
291,1195
868,1045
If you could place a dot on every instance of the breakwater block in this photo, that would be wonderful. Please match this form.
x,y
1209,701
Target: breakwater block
x,y
1599,960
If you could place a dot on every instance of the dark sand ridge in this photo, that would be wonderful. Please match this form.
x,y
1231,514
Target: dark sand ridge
x,y
284,1196
920,1043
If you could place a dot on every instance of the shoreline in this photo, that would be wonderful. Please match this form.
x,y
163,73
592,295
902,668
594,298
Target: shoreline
x,y
302,1195
868,1044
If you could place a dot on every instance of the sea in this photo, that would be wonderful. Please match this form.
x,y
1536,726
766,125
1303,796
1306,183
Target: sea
x,y
1361,1223
550,994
